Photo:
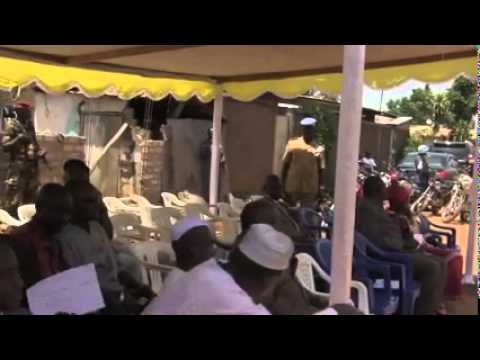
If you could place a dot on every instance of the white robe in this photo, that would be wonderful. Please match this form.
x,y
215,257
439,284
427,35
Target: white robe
x,y
207,289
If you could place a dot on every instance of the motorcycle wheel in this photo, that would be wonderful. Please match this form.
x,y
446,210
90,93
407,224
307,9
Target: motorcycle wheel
x,y
453,209
420,204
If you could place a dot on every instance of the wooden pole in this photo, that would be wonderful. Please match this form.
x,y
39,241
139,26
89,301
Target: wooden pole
x,y
346,172
216,139
107,147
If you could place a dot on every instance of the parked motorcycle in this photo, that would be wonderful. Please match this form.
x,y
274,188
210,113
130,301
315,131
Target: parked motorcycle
x,y
465,212
436,196
458,199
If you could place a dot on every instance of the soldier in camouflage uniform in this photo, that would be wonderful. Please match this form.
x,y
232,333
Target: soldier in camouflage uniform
x,y
20,142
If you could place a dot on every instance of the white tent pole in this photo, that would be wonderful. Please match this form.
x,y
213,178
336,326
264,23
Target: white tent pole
x,y
216,138
348,141
472,235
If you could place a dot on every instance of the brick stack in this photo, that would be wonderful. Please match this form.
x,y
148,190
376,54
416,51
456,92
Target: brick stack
x,y
58,152
149,163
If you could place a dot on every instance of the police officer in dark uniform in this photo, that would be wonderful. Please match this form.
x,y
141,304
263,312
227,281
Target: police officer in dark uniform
x,y
20,142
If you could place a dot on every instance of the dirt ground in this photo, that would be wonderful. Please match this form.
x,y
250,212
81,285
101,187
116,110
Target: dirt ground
x,y
467,304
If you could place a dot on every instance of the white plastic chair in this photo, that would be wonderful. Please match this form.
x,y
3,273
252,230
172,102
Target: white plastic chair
x,y
199,210
7,219
147,210
228,213
171,200
117,206
156,254
128,226
189,198
26,212
307,266
124,226
237,204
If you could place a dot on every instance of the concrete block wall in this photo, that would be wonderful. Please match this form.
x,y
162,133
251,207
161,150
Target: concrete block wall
x,y
150,169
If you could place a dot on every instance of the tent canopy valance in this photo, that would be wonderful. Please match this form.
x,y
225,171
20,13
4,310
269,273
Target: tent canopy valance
x,y
243,72
57,79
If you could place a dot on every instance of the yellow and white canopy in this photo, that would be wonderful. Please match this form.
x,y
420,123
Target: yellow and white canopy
x,y
243,72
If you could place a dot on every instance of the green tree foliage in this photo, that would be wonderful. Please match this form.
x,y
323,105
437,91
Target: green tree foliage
x,y
420,105
453,109
462,100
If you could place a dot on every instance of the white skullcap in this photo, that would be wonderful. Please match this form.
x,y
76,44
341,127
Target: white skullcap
x,y
267,247
308,121
185,225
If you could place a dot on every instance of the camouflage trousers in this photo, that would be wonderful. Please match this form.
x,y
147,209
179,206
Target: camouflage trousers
x,y
20,186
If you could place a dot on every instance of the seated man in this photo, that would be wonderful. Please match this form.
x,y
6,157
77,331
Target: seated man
x,y
84,241
11,283
193,244
77,170
290,297
373,222
34,243
269,211
255,268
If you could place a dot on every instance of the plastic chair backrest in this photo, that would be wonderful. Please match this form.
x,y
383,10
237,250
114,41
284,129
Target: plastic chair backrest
x,y
124,224
7,219
424,224
324,252
304,260
175,214
157,253
26,212
143,201
237,204
171,200
304,271
116,206
198,210
226,211
189,198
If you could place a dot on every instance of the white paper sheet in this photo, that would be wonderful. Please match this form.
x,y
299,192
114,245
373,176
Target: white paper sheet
x,y
75,291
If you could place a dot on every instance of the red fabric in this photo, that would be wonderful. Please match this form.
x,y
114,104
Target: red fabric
x,y
23,104
454,260
398,195
394,175
39,258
